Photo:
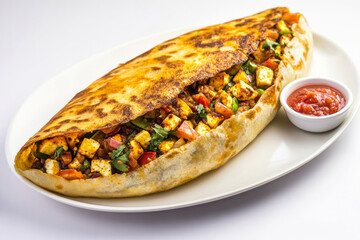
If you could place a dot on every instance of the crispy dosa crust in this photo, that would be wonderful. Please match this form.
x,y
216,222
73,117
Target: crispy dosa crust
x,y
192,159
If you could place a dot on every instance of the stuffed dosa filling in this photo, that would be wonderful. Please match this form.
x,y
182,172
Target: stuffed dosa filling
x,y
198,109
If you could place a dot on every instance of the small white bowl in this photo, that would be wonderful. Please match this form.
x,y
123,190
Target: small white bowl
x,y
316,123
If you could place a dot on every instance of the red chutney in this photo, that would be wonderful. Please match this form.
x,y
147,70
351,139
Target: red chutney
x,y
316,100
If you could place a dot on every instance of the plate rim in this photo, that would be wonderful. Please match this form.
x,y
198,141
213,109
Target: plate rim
x,y
91,206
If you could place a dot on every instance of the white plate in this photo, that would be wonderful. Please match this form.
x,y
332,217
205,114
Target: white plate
x,y
278,150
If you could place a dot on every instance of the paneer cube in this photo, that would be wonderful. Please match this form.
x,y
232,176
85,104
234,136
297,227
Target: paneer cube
x,y
135,150
212,94
185,110
243,91
166,145
89,147
179,143
281,25
241,76
220,80
143,138
190,123
171,122
213,120
264,77
226,99
48,146
102,166
72,140
52,166
75,164
202,128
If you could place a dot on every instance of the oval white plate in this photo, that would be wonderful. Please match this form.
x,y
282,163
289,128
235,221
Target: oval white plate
x,y
278,150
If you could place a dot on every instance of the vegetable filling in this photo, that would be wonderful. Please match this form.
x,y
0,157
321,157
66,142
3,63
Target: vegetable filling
x,y
200,107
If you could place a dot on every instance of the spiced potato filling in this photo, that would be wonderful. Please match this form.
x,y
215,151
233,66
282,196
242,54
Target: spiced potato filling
x,y
200,107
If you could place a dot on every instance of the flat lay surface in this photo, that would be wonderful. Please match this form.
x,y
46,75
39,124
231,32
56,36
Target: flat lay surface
x,y
317,201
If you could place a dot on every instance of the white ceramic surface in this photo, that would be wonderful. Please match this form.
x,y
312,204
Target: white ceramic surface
x,y
316,123
283,146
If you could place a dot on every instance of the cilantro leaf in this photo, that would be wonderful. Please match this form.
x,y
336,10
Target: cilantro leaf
x,y
235,105
140,122
59,150
158,136
270,45
117,152
120,166
248,66
119,159
201,111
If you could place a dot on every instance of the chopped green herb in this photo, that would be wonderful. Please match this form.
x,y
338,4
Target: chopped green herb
x,y
119,159
248,66
41,155
235,105
158,136
59,150
201,111
120,166
117,152
140,122
270,45
212,104
229,85
260,91
85,165
285,32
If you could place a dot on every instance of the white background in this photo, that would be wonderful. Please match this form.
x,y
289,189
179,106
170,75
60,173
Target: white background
x,y
39,39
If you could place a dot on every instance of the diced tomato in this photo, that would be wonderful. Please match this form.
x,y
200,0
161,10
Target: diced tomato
x,y
270,63
204,101
113,132
187,132
291,17
147,157
70,174
66,157
223,110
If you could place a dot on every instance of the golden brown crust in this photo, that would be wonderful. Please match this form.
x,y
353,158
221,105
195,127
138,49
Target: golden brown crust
x,y
193,159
